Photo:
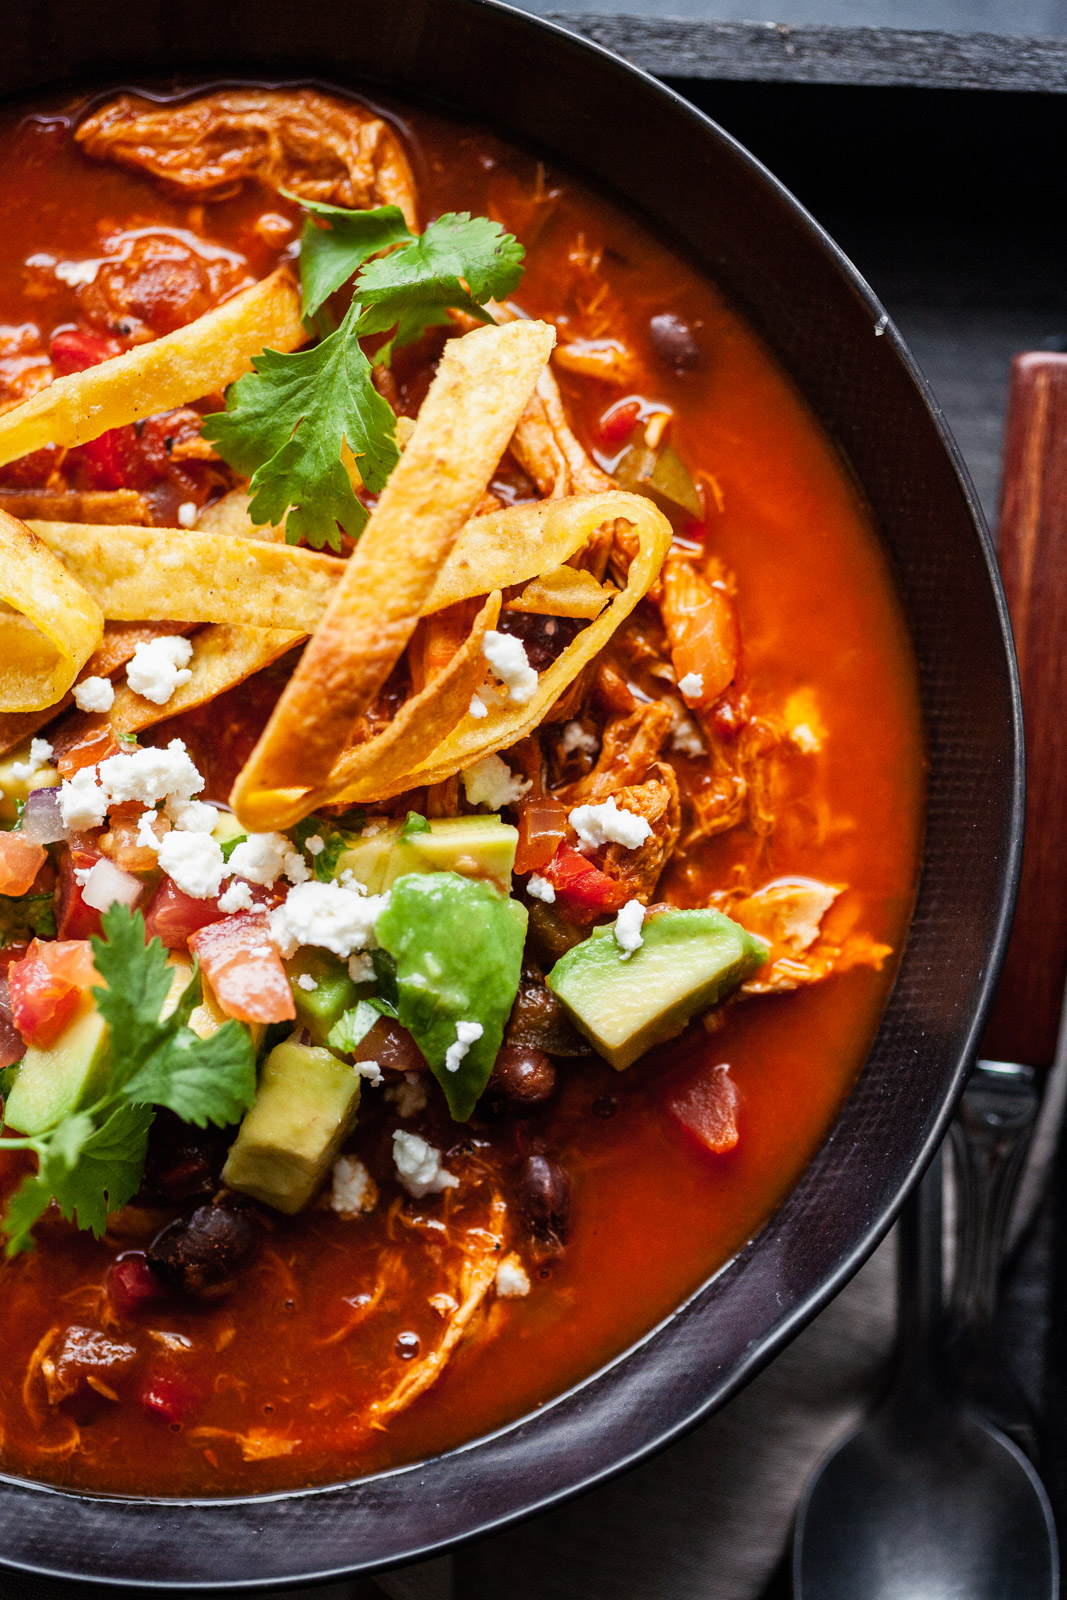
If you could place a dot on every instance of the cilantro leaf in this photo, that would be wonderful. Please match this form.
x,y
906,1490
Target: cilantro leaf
x,y
92,1171
230,845
413,824
458,262
288,422
91,1161
350,1029
329,256
334,844
32,912
139,980
202,1080
286,425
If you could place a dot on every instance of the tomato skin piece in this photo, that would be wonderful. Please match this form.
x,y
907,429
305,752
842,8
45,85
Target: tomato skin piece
x,y
583,892
131,1284
174,916
706,1109
75,919
74,351
616,424
244,969
20,862
47,985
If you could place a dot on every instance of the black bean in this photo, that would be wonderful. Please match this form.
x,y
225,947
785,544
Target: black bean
x,y
203,1253
545,1196
674,342
539,1021
543,637
522,1080
183,1162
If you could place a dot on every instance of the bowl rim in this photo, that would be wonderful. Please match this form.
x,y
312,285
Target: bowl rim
x,y
765,1347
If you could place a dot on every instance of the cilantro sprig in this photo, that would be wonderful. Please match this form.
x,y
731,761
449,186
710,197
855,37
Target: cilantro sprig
x,y
294,423
91,1161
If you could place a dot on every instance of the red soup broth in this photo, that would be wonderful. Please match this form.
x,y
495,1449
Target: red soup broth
x,y
654,1214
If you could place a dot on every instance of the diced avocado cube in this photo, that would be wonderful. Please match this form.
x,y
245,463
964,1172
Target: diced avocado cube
x,y
688,962
475,847
334,993
13,789
306,1104
227,828
53,1082
457,947
207,1017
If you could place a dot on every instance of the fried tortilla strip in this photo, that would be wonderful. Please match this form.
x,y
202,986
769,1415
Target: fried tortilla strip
x,y
506,724
512,546
141,574
222,657
564,592
53,625
192,361
421,721
106,506
119,642
478,393
230,516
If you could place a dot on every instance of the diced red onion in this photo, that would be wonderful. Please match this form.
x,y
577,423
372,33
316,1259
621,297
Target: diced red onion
x,y
41,820
107,883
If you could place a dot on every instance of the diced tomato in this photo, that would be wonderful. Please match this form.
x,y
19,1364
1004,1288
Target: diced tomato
x,y
244,968
707,1109
167,1397
96,745
108,461
10,954
131,1283
616,425
47,985
174,916
583,892
74,351
542,829
20,862
75,919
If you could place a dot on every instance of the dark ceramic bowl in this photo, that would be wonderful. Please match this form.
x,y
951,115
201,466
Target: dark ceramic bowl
x,y
632,138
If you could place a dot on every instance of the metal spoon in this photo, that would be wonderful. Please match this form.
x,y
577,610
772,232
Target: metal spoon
x,y
927,1500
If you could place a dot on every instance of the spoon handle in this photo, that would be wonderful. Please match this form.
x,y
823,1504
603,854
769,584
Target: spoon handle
x,y
990,1137
919,1271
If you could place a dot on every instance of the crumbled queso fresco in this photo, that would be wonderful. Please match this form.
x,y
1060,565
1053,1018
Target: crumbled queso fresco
x,y
159,666
149,775
353,1191
512,1279
339,917
418,1165
609,824
237,896
265,857
491,782
41,753
94,694
467,1033
510,663
194,861
628,928
540,888
692,685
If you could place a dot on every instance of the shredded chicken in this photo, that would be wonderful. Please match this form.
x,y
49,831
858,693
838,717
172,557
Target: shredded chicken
x,y
629,747
312,144
790,913
657,801
787,912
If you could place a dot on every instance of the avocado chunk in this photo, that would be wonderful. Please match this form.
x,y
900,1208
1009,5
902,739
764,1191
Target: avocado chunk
x,y
53,1082
305,1106
457,947
474,847
318,1009
688,962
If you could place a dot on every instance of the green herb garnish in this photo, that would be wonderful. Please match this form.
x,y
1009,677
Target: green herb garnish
x,y
352,1028
414,824
288,423
91,1161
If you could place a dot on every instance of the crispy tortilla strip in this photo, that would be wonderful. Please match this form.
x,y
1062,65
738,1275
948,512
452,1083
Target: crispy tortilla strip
x,y
195,360
478,393
222,657
53,626
422,721
505,547
230,516
141,574
106,506
507,723
564,592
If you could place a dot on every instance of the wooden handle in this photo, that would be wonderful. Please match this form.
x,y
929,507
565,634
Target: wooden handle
x,y
1033,561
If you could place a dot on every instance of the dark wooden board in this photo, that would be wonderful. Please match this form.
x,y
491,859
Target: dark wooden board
x,y
811,53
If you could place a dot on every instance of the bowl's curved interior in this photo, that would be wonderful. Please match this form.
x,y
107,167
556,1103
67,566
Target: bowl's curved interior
x,y
630,137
